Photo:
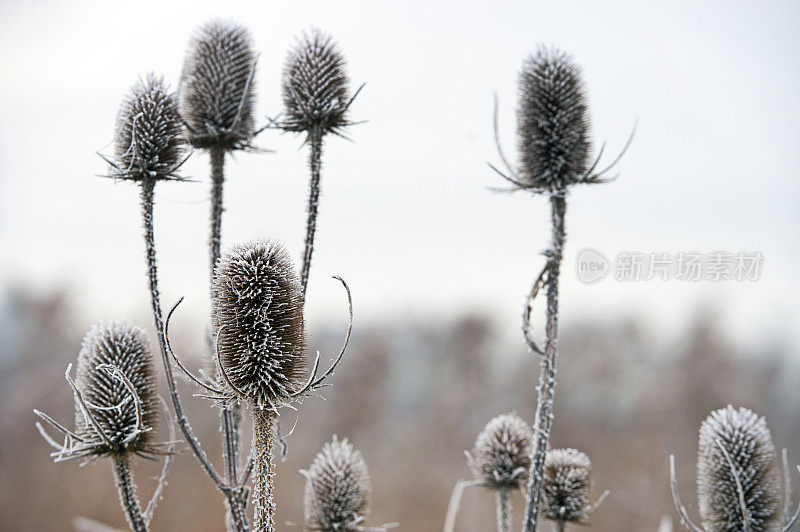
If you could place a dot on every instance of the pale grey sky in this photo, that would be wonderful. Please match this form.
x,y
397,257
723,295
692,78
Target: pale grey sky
x,y
406,216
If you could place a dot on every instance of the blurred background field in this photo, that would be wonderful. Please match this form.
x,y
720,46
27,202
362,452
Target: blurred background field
x,y
438,265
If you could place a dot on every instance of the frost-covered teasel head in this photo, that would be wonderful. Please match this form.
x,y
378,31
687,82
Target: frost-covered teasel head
x,y
217,89
126,419
747,442
148,140
567,486
502,453
258,315
552,122
315,86
337,488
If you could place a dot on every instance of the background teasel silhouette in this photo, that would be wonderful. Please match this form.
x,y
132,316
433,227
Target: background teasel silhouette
x,y
337,488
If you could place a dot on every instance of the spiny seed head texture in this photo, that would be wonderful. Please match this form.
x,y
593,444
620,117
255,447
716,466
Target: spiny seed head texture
x,y
258,315
148,140
502,453
126,347
337,488
552,122
746,438
315,86
567,486
217,88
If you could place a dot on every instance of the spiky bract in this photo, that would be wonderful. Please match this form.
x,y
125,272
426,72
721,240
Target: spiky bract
x,y
567,486
747,440
337,488
125,347
552,122
315,86
217,88
258,314
502,453
148,140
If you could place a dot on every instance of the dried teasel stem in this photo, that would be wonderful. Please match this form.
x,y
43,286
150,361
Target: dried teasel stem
x,y
127,494
263,469
503,510
314,164
548,370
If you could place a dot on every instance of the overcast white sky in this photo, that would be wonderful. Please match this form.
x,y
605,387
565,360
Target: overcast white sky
x,y
406,216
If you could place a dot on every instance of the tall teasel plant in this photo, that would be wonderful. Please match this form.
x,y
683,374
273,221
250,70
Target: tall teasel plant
x,y
554,154
316,100
217,96
116,411
738,484
261,350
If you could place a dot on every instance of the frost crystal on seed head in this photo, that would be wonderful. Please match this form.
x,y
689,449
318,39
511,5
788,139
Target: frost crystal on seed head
x,y
258,315
148,141
315,86
567,486
552,122
337,488
126,348
747,440
501,456
216,88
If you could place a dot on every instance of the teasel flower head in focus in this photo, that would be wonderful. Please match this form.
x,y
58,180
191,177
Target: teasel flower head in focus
x,y
337,488
258,316
148,138
217,87
315,85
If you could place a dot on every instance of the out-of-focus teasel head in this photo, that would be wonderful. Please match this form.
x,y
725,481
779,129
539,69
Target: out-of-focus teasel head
x,y
337,489
217,87
258,316
738,483
567,486
501,456
148,138
116,405
316,93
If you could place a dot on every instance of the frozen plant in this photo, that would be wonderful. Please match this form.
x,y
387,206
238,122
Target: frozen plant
x,y
316,100
116,411
499,460
554,154
738,484
567,488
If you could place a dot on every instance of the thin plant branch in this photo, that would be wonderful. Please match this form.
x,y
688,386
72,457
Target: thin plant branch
x,y
165,469
455,503
676,499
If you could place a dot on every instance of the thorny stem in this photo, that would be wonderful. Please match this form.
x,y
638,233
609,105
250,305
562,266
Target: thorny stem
x,y
314,164
127,494
503,510
547,376
559,526
148,186
263,470
229,414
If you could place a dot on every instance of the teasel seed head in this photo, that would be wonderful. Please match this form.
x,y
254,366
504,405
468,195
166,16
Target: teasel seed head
x,y
337,488
125,347
315,86
567,486
552,122
748,443
217,87
148,140
258,316
501,457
